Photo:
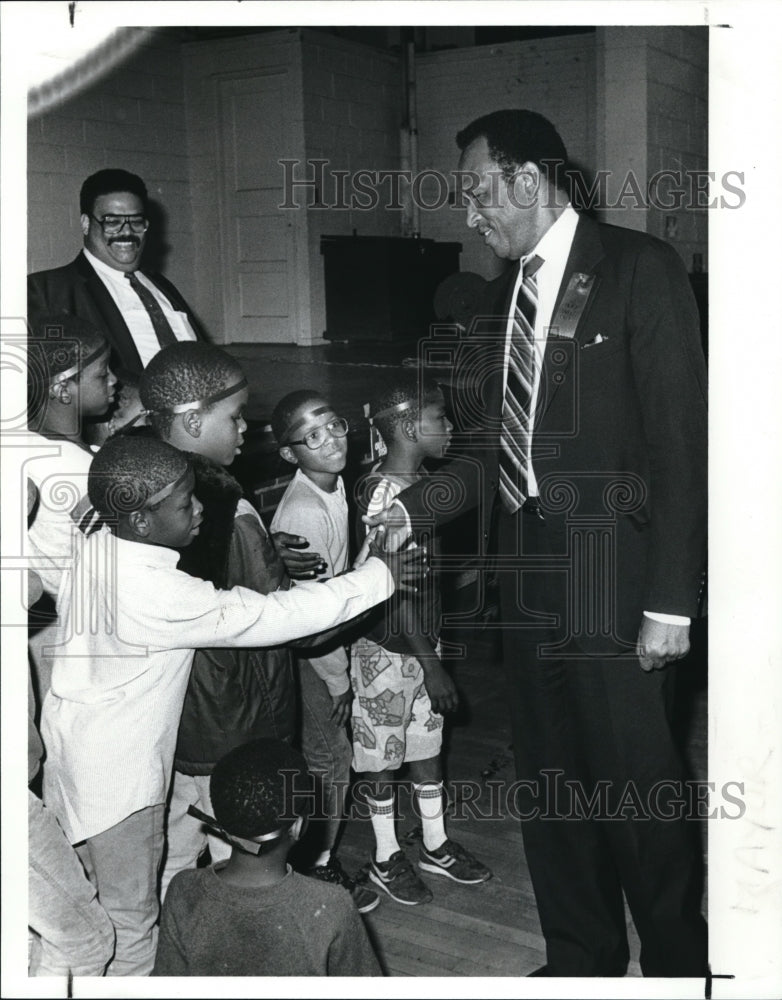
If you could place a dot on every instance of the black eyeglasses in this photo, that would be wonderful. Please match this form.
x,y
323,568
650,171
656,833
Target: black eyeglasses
x,y
317,437
113,224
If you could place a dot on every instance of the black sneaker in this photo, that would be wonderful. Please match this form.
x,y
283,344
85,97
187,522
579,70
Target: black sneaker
x,y
365,899
397,878
455,862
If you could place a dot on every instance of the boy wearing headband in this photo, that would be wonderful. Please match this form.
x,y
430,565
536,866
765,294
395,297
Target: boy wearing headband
x,y
68,383
312,437
130,625
400,686
253,915
195,395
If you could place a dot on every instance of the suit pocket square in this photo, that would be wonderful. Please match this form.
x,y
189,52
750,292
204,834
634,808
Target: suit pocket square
x,y
597,339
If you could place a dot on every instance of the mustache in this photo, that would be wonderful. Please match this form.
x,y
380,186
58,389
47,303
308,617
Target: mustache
x,y
125,239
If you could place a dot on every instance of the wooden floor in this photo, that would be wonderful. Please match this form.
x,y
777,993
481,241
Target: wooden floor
x,y
490,929
486,930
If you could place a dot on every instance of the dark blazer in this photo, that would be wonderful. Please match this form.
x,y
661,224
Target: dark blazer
x,y
620,431
76,288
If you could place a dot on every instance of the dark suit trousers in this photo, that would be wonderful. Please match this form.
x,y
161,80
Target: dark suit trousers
x,y
599,727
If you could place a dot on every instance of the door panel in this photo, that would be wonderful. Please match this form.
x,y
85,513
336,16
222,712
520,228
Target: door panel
x,y
259,239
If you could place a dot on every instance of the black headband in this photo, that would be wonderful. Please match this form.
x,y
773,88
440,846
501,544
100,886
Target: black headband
x,y
251,846
198,403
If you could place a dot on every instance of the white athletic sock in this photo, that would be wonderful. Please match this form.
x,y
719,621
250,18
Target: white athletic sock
x,y
431,809
323,859
381,812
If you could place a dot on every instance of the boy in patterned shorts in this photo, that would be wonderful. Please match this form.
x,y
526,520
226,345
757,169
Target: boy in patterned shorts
x,y
400,687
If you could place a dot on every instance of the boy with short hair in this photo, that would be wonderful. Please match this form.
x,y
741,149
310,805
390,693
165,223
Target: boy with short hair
x,y
253,915
400,686
195,396
68,383
312,437
131,623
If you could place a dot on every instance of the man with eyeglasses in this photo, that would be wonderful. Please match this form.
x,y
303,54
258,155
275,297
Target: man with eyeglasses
x,y
583,379
137,312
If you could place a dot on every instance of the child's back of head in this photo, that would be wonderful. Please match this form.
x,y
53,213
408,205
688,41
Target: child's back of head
x,y
254,915
259,790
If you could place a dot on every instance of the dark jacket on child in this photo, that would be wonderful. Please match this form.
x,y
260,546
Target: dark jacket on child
x,y
391,623
234,695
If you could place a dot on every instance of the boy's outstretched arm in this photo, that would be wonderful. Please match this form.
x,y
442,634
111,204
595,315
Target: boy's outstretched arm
x,y
242,617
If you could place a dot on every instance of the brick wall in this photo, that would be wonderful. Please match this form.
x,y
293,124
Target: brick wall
x,y
555,76
647,110
621,126
677,71
266,498
653,116
131,118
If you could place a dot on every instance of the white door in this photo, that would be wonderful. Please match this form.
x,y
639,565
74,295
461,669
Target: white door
x,y
259,240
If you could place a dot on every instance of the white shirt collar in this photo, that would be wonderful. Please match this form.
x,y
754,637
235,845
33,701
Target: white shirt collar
x,y
554,245
110,272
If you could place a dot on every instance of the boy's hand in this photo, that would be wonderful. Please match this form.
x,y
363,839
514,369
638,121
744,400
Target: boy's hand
x,y
439,686
300,565
364,553
394,522
407,566
341,706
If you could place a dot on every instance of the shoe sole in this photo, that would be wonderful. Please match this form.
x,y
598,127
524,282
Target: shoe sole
x,y
437,870
369,907
404,902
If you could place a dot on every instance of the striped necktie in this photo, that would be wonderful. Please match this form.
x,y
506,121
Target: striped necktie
x,y
516,407
163,332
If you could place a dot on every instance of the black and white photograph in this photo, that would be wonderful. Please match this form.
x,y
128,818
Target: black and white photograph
x,y
391,489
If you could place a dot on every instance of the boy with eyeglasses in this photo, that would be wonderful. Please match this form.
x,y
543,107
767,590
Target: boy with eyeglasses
x,y
109,721
312,437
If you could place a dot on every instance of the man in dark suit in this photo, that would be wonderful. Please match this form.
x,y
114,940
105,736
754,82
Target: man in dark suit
x,y
138,313
589,471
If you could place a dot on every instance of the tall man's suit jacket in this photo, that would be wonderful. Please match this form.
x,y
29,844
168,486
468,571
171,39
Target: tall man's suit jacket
x,y
620,427
76,288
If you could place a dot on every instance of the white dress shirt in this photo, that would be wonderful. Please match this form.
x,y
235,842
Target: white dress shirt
x,y
133,311
130,625
554,249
